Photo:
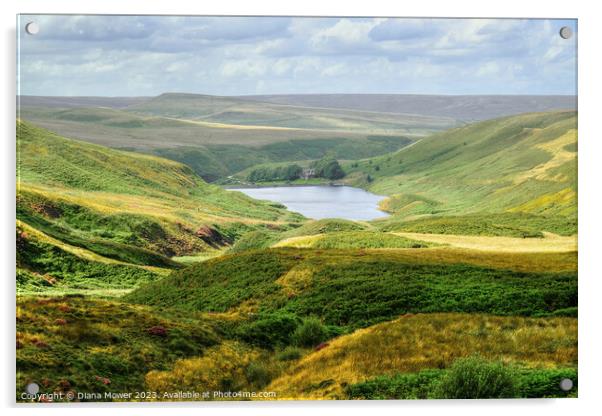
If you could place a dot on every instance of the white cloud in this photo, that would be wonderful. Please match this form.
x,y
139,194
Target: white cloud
x,y
88,55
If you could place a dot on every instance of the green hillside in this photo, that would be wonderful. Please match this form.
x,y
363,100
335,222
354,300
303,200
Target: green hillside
x,y
350,290
523,165
82,203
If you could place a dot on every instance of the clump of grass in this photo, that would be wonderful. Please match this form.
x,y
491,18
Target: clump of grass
x,y
290,353
269,330
310,333
258,374
475,378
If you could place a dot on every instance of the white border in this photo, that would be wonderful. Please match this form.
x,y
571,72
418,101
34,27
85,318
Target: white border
x,y
590,155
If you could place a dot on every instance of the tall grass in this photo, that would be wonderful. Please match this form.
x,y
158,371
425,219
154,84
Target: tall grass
x,y
415,343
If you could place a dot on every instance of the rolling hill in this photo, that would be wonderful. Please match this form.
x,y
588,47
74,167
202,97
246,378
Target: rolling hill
x,y
460,107
234,111
79,203
520,167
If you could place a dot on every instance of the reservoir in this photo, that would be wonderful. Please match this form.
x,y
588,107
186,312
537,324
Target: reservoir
x,y
319,202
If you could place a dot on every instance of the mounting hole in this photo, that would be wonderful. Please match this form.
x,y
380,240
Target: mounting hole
x,y
32,28
32,388
566,32
566,384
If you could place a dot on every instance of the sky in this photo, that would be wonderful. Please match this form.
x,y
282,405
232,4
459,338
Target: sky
x,y
150,55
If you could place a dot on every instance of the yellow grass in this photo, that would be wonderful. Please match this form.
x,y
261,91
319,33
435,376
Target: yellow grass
x,y
551,243
233,126
207,373
560,156
304,241
417,342
563,197
296,280
167,208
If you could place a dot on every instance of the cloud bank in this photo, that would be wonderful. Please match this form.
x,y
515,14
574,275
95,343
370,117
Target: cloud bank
x,y
148,55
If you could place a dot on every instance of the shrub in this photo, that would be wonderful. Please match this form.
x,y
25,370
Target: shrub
x,y
258,374
290,353
310,333
328,168
475,378
269,330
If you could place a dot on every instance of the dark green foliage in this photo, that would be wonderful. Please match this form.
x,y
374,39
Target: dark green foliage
x,y
279,173
400,386
225,282
258,374
310,333
328,168
546,383
290,353
528,383
356,291
475,378
269,330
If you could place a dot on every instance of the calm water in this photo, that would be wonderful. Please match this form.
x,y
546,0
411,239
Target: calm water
x,y
322,201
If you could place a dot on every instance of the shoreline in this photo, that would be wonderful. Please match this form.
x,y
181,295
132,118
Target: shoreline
x,y
284,185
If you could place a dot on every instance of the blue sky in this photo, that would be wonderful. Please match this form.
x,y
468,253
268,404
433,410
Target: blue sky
x,y
149,55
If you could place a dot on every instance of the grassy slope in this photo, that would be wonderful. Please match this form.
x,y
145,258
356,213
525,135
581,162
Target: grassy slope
x,y
66,343
523,166
428,341
127,207
351,289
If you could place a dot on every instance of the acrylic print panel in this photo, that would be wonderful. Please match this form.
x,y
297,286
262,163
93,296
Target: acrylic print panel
x,y
276,208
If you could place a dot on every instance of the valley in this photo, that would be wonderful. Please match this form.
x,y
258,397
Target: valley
x,y
142,267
